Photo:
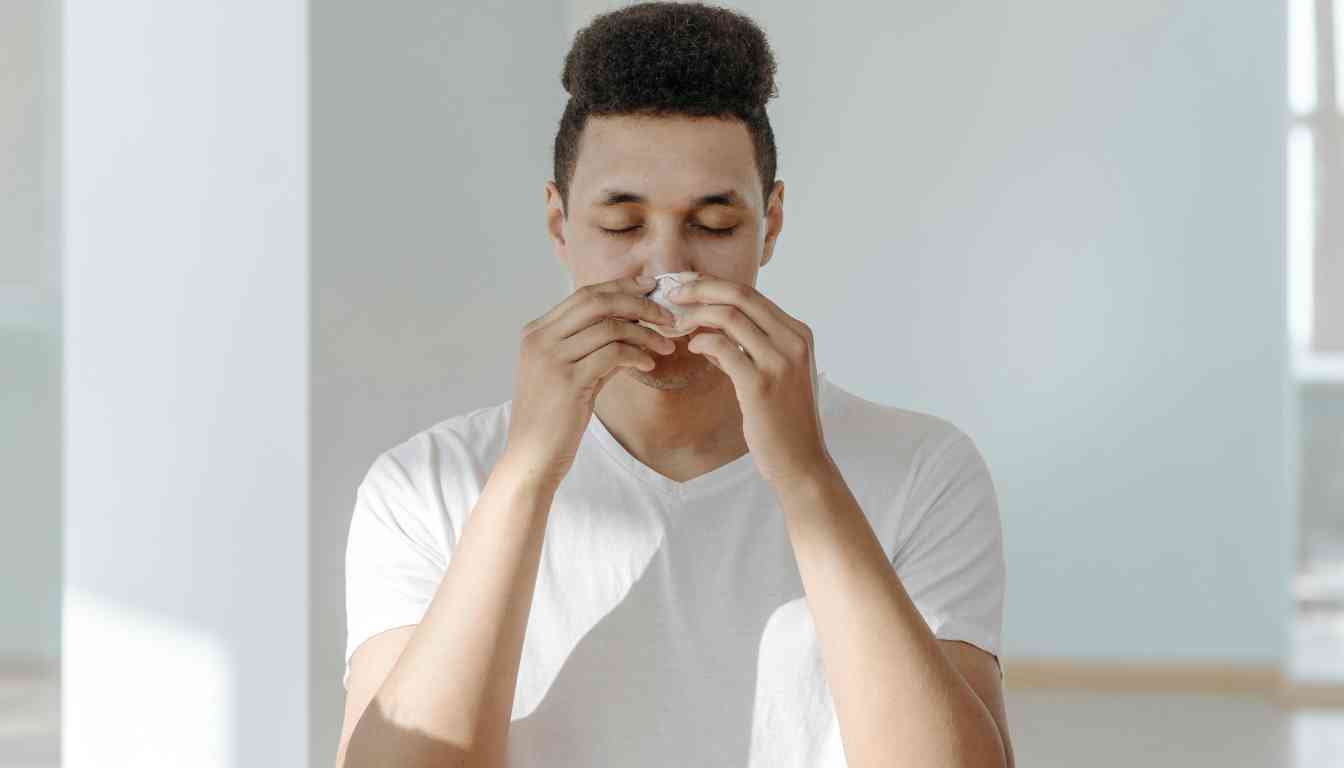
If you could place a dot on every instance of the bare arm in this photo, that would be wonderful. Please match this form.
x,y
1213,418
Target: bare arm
x,y
369,666
981,671
900,695
447,698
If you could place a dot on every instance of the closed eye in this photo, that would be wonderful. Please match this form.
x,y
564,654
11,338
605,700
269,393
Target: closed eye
x,y
725,232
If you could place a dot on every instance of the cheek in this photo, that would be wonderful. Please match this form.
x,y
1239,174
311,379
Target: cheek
x,y
596,253
737,260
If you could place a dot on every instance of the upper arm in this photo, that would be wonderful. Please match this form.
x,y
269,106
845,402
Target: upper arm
x,y
982,674
950,546
396,551
395,554
952,566
369,667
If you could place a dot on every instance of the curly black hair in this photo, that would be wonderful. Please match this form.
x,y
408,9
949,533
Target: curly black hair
x,y
668,58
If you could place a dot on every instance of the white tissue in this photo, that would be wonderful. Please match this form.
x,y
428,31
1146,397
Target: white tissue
x,y
666,282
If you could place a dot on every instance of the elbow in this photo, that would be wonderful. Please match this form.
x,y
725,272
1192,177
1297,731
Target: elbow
x,y
377,741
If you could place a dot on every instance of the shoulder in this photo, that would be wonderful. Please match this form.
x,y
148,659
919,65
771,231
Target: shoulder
x,y
444,466
901,463
898,441
461,441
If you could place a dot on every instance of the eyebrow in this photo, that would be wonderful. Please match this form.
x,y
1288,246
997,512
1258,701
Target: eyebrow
x,y
618,196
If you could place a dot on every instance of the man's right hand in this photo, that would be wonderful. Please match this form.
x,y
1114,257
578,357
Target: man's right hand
x,y
566,357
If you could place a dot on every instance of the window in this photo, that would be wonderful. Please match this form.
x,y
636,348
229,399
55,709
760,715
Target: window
x,y
1316,183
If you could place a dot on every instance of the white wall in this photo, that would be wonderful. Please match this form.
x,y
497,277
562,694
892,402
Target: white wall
x,y
1063,224
432,126
186,384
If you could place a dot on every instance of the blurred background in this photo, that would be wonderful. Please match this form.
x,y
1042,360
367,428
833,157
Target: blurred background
x,y
245,247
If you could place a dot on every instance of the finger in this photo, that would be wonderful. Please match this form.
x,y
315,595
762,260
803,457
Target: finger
x,y
724,353
765,313
630,285
598,305
611,329
606,359
738,327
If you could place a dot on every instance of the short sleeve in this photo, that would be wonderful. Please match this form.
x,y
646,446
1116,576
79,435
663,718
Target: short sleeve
x,y
393,564
950,548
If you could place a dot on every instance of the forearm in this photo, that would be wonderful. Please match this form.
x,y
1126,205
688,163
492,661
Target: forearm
x,y
898,699
449,697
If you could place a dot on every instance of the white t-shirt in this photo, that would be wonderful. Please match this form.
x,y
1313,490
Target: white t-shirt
x,y
669,625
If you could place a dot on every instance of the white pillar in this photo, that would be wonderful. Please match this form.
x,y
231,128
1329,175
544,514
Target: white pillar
x,y
185,383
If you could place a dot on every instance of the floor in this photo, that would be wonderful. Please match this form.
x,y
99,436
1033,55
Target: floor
x,y
1071,728
30,711
1050,728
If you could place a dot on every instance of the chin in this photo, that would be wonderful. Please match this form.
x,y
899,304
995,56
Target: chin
x,y
678,370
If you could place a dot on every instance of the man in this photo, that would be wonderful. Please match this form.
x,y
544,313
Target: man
x,y
688,551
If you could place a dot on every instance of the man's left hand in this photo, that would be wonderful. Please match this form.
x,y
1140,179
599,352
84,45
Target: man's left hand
x,y
769,357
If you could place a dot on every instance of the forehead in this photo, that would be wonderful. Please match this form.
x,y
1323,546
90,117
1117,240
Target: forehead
x,y
666,158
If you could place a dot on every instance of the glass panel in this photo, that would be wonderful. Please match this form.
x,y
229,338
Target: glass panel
x,y
1301,233
1302,55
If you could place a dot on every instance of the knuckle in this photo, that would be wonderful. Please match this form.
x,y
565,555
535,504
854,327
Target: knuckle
x,y
569,374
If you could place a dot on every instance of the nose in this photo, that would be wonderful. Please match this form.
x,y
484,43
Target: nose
x,y
666,250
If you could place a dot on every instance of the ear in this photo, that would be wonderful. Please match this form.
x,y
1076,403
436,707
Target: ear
x,y
774,220
555,222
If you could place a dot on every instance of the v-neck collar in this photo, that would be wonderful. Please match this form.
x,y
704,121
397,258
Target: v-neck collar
x,y
718,477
